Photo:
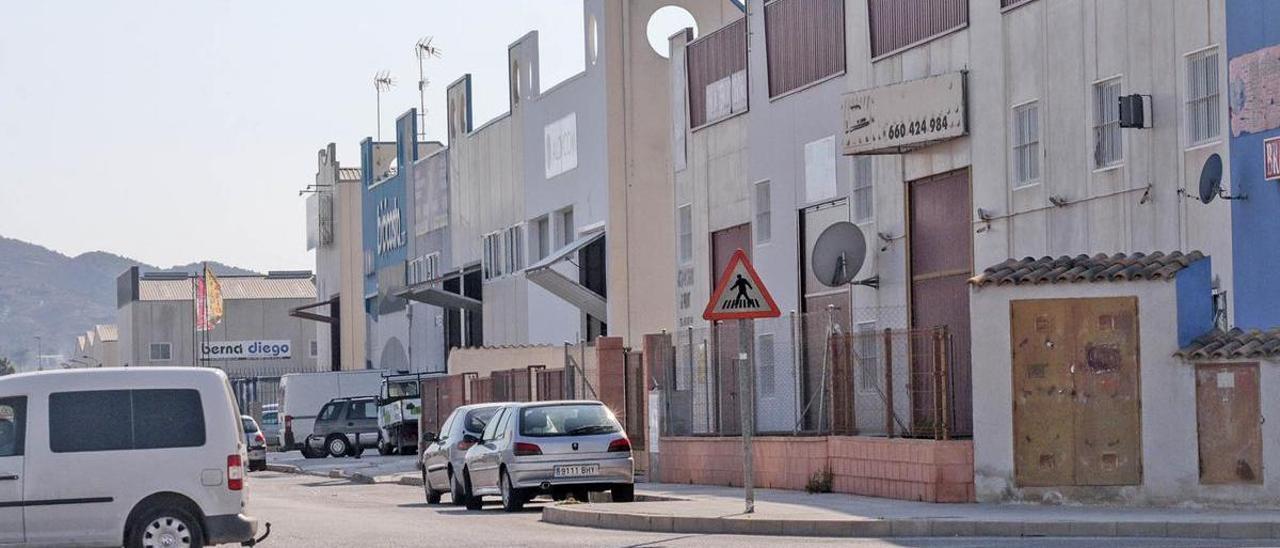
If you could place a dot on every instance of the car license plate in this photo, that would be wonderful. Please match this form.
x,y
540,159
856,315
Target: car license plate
x,y
576,470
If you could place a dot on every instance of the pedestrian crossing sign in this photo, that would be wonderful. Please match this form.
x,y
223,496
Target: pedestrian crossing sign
x,y
740,295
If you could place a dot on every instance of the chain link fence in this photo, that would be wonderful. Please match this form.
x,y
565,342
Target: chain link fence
x,y
813,374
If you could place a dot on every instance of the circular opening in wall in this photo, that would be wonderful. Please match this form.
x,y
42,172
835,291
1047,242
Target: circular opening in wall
x,y
666,21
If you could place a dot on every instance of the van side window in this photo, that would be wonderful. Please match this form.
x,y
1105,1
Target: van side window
x,y
117,420
13,425
362,409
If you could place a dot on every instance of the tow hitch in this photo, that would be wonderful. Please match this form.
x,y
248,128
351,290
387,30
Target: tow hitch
x,y
255,542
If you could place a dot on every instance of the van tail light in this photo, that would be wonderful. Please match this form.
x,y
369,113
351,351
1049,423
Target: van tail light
x,y
620,445
288,423
235,473
523,449
465,444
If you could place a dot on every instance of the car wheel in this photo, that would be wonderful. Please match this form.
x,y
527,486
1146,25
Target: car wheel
x,y
338,446
307,453
165,527
624,493
471,500
456,490
384,449
581,495
433,496
512,498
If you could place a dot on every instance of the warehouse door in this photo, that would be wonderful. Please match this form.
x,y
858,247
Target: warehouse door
x,y
1076,406
1229,420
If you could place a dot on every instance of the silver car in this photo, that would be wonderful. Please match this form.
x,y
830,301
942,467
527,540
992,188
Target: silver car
x,y
558,448
443,453
271,424
255,443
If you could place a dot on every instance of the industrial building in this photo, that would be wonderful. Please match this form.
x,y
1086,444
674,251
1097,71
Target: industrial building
x,y
256,338
97,347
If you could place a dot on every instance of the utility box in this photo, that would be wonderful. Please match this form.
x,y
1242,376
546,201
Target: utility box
x,y
1132,112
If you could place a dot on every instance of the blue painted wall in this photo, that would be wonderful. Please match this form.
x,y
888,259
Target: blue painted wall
x,y
389,192
1255,222
1195,301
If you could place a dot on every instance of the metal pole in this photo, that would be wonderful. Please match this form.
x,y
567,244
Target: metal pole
x,y
746,401
797,359
887,352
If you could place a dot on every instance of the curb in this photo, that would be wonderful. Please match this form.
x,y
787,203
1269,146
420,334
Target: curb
x,y
591,516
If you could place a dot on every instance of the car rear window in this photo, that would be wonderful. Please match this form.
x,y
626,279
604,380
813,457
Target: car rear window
x,y
270,418
249,426
477,419
116,420
567,420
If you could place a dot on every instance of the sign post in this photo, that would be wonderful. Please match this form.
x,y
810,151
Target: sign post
x,y
749,300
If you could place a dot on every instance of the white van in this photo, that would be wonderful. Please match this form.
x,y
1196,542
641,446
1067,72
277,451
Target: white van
x,y
136,456
303,394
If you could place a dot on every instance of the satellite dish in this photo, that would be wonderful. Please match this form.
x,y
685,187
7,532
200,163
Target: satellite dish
x,y
838,254
1211,178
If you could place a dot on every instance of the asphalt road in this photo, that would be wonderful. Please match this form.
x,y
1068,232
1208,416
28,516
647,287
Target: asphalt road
x,y
313,511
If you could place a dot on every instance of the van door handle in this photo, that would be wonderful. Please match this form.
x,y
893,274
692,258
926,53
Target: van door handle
x,y
10,477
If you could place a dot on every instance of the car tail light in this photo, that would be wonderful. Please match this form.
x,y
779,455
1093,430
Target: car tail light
x,y
619,445
258,438
527,449
235,473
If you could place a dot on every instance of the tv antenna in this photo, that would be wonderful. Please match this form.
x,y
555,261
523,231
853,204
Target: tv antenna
x,y
424,50
382,81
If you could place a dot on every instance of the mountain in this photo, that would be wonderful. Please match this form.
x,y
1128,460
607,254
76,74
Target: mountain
x,y
49,295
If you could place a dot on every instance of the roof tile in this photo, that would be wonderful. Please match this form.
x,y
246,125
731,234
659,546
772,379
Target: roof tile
x,y
1096,268
1234,344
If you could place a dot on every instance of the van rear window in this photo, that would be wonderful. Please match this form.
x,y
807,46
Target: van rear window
x,y
117,420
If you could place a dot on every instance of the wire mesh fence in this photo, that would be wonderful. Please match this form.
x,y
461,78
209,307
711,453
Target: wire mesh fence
x,y
812,374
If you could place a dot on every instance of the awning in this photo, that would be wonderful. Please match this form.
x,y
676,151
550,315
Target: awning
x,y
543,274
301,312
432,294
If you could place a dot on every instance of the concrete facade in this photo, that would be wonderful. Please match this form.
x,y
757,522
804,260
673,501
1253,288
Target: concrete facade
x,y
339,259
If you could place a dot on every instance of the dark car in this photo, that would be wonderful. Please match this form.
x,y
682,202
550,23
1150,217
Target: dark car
x,y
345,427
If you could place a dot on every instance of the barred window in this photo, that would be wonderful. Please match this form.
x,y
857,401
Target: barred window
x,y
1108,149
161,352
1026,144
863,195
868,358
685,233
764,213
1202,97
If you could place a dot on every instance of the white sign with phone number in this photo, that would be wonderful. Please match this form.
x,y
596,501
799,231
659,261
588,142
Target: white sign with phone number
x,y
895,118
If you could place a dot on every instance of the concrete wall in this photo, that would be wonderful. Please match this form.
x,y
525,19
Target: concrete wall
x,y
339,265
1167,388
1053,52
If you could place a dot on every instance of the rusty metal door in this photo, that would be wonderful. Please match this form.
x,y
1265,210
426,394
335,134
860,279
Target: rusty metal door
x,y
1229,420
1076,405
723,244
1043,406
1108,411
940,244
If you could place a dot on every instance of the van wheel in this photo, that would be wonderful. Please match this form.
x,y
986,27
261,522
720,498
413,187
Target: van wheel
x,y
384,448
165,527
472,501
338,446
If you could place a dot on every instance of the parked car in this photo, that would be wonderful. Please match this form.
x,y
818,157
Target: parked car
x,y
559,448
255,444
443,453
301,394
345,427
147,456
271,424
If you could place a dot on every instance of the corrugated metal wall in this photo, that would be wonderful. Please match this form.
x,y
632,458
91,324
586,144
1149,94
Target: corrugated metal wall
x,y
896,24
711,58
805,42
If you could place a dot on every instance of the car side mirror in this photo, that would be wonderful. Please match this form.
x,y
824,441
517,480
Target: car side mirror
x,y
429,437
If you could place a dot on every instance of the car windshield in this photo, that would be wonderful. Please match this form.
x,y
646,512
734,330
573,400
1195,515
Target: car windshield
x,y
567,420
477,419
249,426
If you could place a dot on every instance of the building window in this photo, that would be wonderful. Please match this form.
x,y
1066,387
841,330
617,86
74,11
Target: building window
x,y
1202,97
804,42
493,255
567,230
540,239
767,363
314,349
686,233
161,352
1026,144
513,244
863,196
868,358
1108,150
764,213
820,169
900,24
423,269
717,74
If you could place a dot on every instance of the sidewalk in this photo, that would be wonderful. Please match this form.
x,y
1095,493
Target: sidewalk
x,y
718,510
369,468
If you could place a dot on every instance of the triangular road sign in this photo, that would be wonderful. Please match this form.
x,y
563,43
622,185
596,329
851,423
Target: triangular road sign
x,y
740,295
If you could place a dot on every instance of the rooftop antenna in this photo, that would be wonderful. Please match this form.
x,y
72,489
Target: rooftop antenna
x,y
382,81
424,50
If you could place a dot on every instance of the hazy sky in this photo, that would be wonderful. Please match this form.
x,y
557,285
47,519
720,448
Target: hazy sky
x,y
172,132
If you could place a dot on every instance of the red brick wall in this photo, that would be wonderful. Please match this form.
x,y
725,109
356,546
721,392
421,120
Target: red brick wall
x,y
922,470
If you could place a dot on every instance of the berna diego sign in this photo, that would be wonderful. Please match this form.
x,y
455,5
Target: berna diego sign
x,y
245,350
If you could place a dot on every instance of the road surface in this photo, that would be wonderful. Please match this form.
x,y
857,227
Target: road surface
x,y
313,511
